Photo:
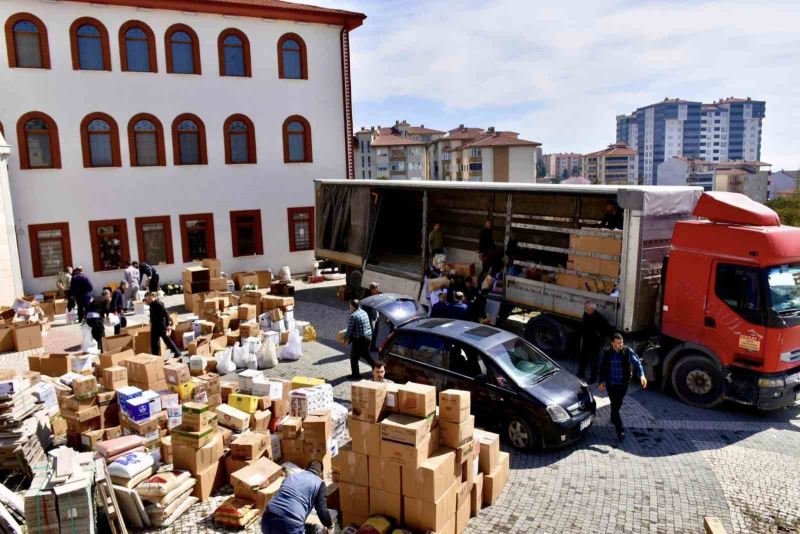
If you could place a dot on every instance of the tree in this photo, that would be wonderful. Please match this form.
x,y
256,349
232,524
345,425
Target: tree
x,y
788,209
565,174
576,170
541,170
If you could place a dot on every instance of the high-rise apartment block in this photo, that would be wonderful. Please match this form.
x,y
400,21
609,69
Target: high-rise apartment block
x,y
725,130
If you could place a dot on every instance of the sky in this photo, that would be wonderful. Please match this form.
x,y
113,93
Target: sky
x,y
559,72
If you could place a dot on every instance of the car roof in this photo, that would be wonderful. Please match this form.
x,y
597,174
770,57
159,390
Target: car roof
x,y
478,335
376,301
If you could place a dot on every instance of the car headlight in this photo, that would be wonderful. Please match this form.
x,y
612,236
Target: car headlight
x,y
771,382
557,413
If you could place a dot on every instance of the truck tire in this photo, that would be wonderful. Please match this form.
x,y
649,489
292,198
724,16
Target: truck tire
x,y
548,334
698,381
354,282
521,434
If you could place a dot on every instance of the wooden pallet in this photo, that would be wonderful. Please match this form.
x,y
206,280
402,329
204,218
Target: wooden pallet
x,y
106,496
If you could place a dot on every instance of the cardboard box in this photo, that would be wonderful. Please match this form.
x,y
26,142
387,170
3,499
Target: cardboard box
x,y
463,508
121,342
354,518
245,279
456,434
196,439
494,482
476,496
196,416
249,446
115,377
384,475
290,427
365,437
354,498
27,337
245,403
350,466
454,405
145,368
194,459
417,399
293,450
259,421
405,455
115,358
213,265
249,479
318,427
247,312
7,338
368,400
386,504
249,330
208,480
232,418
305,382
60,306
232,465
424,515
177,373
85,386
404,429
489,451
433,477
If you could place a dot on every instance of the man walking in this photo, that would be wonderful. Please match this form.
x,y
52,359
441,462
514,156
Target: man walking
x,y
95,311
80,288
616,371
117,306
594,332
358,335
149,273
63,282
131,276
436,240
288,509
160,325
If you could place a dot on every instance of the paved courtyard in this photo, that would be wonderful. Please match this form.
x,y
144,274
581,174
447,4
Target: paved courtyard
x,y
677,465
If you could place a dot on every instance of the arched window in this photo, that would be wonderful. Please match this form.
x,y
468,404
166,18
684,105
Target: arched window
x,y
100,140
146,141
137,47
26,42
292,62
183,50
189,140
37,136
296,140
89,40
240,140
234,53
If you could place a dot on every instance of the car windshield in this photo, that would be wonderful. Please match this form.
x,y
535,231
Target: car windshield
x,y
522,361
784,287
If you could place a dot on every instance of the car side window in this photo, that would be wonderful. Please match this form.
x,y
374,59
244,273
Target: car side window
x,y
465,360
498,378
429,349
403,346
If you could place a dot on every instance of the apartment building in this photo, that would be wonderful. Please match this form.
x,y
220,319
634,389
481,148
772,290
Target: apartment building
x,y
725,130
746,177
445,160
557,164
398,152
495,157
171,130
615,165
783,183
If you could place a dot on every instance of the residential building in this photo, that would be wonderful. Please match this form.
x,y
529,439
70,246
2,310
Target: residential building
x,y
398,152
556,164
171,130
744,177
679,170
783,183
496,157
725,130
444,164
613,165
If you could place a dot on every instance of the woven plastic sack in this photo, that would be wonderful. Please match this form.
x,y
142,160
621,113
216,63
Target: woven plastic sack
x,y
160,484
130,465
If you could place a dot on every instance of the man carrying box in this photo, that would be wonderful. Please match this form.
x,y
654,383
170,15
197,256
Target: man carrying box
x,y
288,510
358,335
160,325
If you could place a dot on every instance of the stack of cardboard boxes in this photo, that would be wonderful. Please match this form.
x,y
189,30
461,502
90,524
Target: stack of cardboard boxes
x,y
422,467
198,447
22,325
594,244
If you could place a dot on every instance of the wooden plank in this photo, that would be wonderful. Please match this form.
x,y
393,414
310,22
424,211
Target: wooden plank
x,y
570,251
542,267
713,525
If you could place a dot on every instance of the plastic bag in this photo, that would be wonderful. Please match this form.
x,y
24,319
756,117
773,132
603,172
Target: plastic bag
x,y
285,275
294,347
251,361
88,343
224,360
111,320
267,355
239,356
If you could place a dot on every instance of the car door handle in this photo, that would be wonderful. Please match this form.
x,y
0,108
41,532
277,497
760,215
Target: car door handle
x,y
710,322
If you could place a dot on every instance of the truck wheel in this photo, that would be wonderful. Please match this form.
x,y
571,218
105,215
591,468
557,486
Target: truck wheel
x,y
521,434
548,334
698,381
354,282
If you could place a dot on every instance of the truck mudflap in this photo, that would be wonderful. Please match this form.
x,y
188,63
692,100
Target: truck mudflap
x,y
764,391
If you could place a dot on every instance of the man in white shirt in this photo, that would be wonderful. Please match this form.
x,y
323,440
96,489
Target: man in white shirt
x,y
131,276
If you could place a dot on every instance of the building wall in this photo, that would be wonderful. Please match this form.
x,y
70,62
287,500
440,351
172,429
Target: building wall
x,y
77,195
488,164
501,164
781,183
673,172
522,164
10,274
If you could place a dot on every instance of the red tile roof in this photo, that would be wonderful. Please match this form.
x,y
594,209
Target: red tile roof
x,y
618,149
394,140
421,130
269,9
500,139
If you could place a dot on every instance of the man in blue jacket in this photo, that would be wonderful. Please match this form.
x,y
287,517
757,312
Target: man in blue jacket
x,y
81,290
288,510
616,371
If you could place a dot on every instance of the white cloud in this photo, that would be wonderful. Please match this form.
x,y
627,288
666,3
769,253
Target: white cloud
x,y
575,65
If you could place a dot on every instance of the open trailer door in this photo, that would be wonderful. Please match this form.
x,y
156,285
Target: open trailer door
x,y
342,214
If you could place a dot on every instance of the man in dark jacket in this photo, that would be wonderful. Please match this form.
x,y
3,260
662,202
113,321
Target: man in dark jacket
x,y
613,217
594,332
616,371
486,238
117,306
160,325
147,270
441,309
288,510
81,290
458,309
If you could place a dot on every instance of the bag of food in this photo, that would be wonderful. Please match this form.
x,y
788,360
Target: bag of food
x,y
160,484
224,359
130,465
239,356
267,355
294,347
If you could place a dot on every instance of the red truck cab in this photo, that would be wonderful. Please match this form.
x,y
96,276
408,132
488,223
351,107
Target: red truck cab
x,y
730,321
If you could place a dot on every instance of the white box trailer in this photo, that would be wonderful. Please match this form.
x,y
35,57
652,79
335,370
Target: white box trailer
x,y
379,230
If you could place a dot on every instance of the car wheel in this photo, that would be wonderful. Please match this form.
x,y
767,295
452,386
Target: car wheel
x,y
547,334
521,434
698,381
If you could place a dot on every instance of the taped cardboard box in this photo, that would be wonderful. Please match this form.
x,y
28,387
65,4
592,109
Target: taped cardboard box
x,y
249,446
350,466
368,400
417,399
425,515
114,358
406,455
476,496
249,480
489,452
354,498
384,475
454,405
55,364
194,459
209,480
433,477
317,427
121,342
404,429
27,337
386,504
494,482
232,418
456,434
115,377
259,421
463,507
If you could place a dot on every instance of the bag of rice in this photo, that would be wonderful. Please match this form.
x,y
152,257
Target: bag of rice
x,y
235,512
170,497
130,465
159,514
160,484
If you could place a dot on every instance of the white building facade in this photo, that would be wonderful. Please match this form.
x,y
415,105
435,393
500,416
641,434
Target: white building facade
x,y
168,131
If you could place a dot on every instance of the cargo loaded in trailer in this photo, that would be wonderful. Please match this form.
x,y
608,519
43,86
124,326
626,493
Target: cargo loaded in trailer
x,y
706,285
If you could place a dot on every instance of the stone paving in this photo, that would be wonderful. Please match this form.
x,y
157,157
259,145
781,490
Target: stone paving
x,y
677,465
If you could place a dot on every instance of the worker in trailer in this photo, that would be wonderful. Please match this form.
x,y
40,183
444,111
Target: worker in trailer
x,y
288,510
436,240
613,217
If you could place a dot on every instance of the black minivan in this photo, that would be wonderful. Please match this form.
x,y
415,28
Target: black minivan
x,y
515,387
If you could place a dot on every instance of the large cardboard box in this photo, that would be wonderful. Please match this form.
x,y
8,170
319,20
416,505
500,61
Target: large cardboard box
x,y
114,358
433,477
55,364
318,427
384,475
418,400
249,446
145,368
208,480
365,437
6,338
463,511
350,466
494,482
115,377
213,265
232,418
404,429
386,503
476,496
489,452
405,455
454,405
121,342
456,434
27,337
354,498
425,515
368,399
353,518
249,480
264,495
196,460
177,373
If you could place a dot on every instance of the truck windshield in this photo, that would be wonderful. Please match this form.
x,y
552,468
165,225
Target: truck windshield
x,y
522,361
784,288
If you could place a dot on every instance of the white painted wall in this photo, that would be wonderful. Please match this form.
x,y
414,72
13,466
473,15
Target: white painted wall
x,y
673,171
10,276
77,195
487,157
522,164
